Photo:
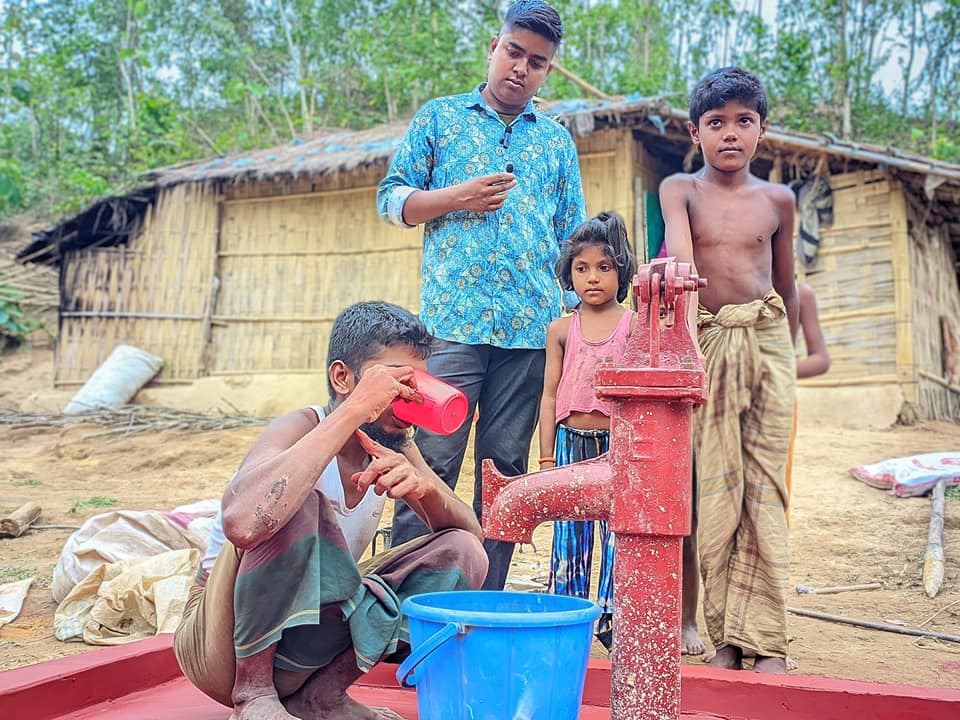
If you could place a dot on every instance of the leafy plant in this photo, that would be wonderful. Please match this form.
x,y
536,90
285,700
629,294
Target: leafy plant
x,y
14,324
97,501
11,181
20,573
946,149
31,482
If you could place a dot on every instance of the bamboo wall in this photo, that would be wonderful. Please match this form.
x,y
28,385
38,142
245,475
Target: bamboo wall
x,y
854,280
292,256
154,293
251,280
606,169
935,295
289,263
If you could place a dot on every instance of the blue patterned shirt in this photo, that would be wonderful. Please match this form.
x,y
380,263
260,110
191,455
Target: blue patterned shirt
x,y
488,277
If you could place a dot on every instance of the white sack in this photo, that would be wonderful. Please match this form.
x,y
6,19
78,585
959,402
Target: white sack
x,y
116,381
130,535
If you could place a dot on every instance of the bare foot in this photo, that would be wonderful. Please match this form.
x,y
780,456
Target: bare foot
x,y
729,657
343,707
387,713
324,695
690,642
770,665
261,708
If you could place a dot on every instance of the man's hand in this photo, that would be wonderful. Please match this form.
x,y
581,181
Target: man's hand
x,y
381,385
484,194
390,472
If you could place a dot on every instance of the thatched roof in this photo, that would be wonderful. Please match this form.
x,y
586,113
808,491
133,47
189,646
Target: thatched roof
x,y
933,183
321,154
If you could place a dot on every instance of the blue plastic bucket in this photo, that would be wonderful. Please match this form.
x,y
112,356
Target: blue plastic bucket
x,y
482,655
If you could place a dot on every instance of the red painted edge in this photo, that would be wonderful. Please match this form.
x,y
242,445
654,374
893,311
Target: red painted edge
x,y
744,694
52,689
793,697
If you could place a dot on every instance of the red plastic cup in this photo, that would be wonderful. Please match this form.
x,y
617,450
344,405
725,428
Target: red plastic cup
x,y
443,410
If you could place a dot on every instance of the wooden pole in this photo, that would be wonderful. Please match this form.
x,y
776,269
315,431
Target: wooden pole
x,y
14,524
581,83
873,625
933,562
835,589
939,381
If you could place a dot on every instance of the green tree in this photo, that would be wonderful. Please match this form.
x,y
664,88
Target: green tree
x,y
95,92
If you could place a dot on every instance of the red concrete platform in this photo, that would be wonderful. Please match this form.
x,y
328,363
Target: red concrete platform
x,y
142,681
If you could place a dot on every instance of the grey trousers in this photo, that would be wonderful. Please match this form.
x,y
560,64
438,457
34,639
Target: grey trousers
x,y
506,385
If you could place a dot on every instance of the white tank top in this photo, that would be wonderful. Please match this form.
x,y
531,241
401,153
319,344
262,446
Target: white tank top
x,y
358,524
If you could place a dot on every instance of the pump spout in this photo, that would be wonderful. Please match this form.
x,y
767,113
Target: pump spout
x,y
514,506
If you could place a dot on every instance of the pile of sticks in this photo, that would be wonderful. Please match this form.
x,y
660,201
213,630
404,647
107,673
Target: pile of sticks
x,y
34,287
132,419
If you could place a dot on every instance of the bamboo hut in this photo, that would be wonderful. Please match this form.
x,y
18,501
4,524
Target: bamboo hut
x,y
236,266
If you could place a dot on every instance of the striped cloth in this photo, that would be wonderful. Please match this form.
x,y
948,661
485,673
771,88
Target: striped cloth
x,y
572,557
741,446
303,591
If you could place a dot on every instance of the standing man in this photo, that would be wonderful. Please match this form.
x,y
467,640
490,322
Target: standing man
x,y
497,185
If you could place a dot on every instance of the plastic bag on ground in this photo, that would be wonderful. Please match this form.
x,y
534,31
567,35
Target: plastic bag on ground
x,y
129,600
912,475
12,595
130,535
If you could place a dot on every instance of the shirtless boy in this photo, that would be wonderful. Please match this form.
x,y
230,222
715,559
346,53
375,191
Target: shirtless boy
x,y
737,230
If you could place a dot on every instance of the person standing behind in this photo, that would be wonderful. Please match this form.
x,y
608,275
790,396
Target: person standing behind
x,y
817,360
491,239
737,230
598,264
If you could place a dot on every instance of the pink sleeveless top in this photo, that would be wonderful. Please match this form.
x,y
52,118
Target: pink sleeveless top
x,y
581,358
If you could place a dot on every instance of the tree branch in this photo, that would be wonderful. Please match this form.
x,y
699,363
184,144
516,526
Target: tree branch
x,y
581,83
273,90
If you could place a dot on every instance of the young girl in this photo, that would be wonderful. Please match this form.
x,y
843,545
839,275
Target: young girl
x,y
598,264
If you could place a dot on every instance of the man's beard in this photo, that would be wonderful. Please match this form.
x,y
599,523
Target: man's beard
x,y
396,442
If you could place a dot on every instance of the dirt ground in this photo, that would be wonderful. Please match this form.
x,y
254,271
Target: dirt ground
x,y
843,532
